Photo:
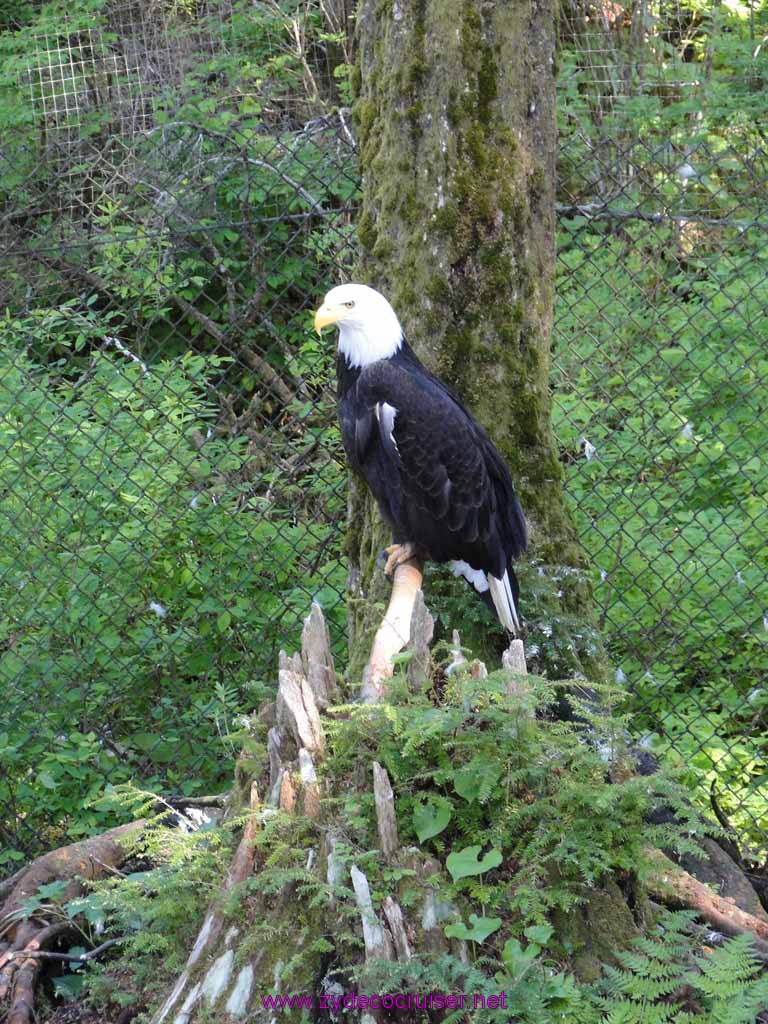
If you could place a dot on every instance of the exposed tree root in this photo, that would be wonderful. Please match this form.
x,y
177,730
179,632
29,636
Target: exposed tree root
x,y
23,939
675,887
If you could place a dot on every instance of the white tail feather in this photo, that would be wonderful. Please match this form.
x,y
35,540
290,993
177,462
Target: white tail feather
x,y
504,602
476,577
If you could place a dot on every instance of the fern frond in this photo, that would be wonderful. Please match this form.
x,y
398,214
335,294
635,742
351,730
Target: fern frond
x,y
727,968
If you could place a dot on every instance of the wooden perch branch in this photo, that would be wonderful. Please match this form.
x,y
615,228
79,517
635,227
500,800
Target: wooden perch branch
x,y
394,632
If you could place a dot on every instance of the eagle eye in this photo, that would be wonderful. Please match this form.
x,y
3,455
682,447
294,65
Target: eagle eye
x,y
349,305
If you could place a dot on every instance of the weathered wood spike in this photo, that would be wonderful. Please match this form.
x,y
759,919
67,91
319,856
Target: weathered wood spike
x,y
242,862
290,663
334,869
287,793
297,711
277,754
385,812
422,631
513,660
394,918
457,655
375,939
309,784
316,657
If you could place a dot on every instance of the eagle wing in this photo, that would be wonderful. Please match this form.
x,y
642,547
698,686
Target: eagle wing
x,y
433,470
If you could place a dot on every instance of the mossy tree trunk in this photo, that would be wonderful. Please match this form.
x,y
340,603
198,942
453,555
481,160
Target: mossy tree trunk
x,y
456,118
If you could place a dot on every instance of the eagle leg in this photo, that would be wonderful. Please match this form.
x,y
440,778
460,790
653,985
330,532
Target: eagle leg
x,y
398,554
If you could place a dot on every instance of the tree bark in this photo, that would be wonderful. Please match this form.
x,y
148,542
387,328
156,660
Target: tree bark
x,y
456,116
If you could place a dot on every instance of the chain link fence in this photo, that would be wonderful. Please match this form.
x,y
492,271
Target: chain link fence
x,y
177,189
660,373
172,483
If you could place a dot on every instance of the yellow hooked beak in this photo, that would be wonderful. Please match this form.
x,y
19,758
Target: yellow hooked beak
x,y
327,315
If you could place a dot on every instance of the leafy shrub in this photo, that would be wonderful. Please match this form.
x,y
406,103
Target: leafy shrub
x,y
472,766
660,374
169,527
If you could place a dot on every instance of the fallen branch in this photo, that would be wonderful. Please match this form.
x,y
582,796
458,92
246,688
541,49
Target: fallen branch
x,y
18,977
74,863
70,958
215,800
222,337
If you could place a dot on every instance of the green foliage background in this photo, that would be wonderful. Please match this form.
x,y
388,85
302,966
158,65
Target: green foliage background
x,y
166,529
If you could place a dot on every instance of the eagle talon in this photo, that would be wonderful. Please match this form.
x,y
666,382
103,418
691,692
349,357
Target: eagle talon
x,y
396,555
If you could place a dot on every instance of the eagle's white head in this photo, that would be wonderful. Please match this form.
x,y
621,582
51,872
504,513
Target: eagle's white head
x,y
368,326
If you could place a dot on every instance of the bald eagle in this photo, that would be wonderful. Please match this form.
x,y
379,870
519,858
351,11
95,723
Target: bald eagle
x,y
437,478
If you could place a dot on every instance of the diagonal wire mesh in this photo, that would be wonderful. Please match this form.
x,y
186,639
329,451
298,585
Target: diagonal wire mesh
x,y
177,188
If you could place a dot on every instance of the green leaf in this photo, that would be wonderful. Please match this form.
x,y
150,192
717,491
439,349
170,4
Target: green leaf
x,y
47,780
76,951
476,780
69,986
89,907
516,959
430,817
466,862
539,933
481,928
467,784
52,890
